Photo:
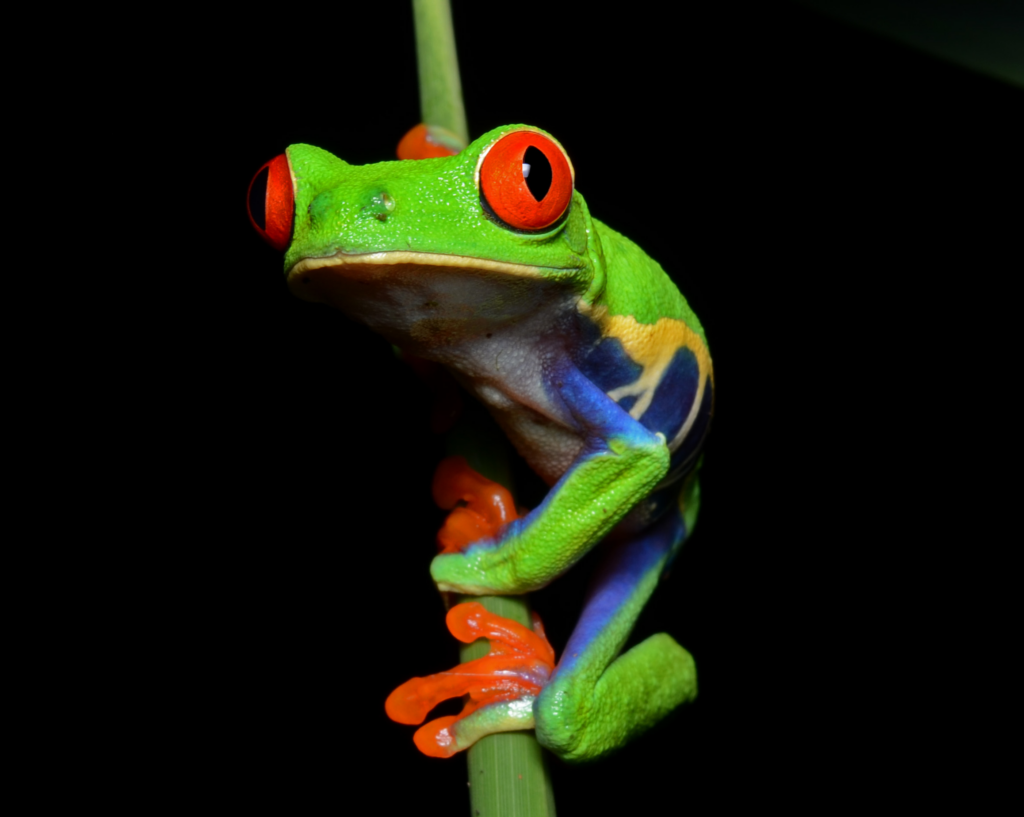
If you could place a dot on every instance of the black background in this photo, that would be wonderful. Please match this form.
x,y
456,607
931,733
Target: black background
x,y
827,201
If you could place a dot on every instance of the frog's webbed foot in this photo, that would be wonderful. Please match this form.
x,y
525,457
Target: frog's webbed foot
x,y
500,688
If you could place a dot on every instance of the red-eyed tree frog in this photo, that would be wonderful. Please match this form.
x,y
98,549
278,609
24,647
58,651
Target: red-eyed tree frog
x,y
489,263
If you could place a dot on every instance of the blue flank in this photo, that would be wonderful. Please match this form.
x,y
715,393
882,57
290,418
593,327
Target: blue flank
x,y
675,394
608,366
627,403
684,457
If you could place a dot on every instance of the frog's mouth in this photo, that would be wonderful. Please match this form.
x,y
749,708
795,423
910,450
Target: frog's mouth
x,y
414,295
381,265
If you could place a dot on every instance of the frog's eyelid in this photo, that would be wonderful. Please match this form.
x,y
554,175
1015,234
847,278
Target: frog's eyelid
x,y
526,170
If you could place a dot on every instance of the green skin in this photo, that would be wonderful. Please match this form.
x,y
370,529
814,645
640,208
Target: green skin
x,y
408,248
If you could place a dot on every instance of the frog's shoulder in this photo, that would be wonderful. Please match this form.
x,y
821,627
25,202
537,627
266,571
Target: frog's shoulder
x,y
636,285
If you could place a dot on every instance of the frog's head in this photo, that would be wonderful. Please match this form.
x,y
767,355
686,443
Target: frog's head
x,y
433,249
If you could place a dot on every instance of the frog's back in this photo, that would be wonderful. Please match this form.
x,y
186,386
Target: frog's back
x,y
648,351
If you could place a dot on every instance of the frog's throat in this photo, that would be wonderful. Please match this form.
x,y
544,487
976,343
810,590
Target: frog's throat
x,y
363,261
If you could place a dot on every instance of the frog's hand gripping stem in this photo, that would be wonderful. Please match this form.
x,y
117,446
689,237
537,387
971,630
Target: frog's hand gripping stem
x,y
501,687
480,508
621,462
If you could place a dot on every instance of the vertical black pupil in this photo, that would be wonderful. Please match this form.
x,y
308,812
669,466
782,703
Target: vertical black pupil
x,y
258,198
539,180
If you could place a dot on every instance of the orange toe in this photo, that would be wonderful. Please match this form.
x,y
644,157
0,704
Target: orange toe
x,y
519,663
428,142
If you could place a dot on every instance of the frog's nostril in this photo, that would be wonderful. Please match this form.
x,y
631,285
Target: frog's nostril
x,y
381,205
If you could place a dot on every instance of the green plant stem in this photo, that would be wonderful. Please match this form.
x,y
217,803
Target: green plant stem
x,y
438,66
508,775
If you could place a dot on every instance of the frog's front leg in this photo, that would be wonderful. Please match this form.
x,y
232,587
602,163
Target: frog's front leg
x,y
621,463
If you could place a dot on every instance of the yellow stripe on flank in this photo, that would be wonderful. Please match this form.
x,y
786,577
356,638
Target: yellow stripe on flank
x,y
652,346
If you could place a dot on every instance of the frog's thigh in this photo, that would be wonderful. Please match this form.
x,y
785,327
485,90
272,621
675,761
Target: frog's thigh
x,y
596,702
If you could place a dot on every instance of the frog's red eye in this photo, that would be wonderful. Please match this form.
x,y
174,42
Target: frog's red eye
x,y
272,202
527,180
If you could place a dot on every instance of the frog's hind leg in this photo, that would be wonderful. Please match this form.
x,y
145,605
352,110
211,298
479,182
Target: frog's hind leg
x,y
597,700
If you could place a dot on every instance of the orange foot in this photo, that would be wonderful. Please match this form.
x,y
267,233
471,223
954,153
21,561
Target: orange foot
x,y
500,687
429,142
484,507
